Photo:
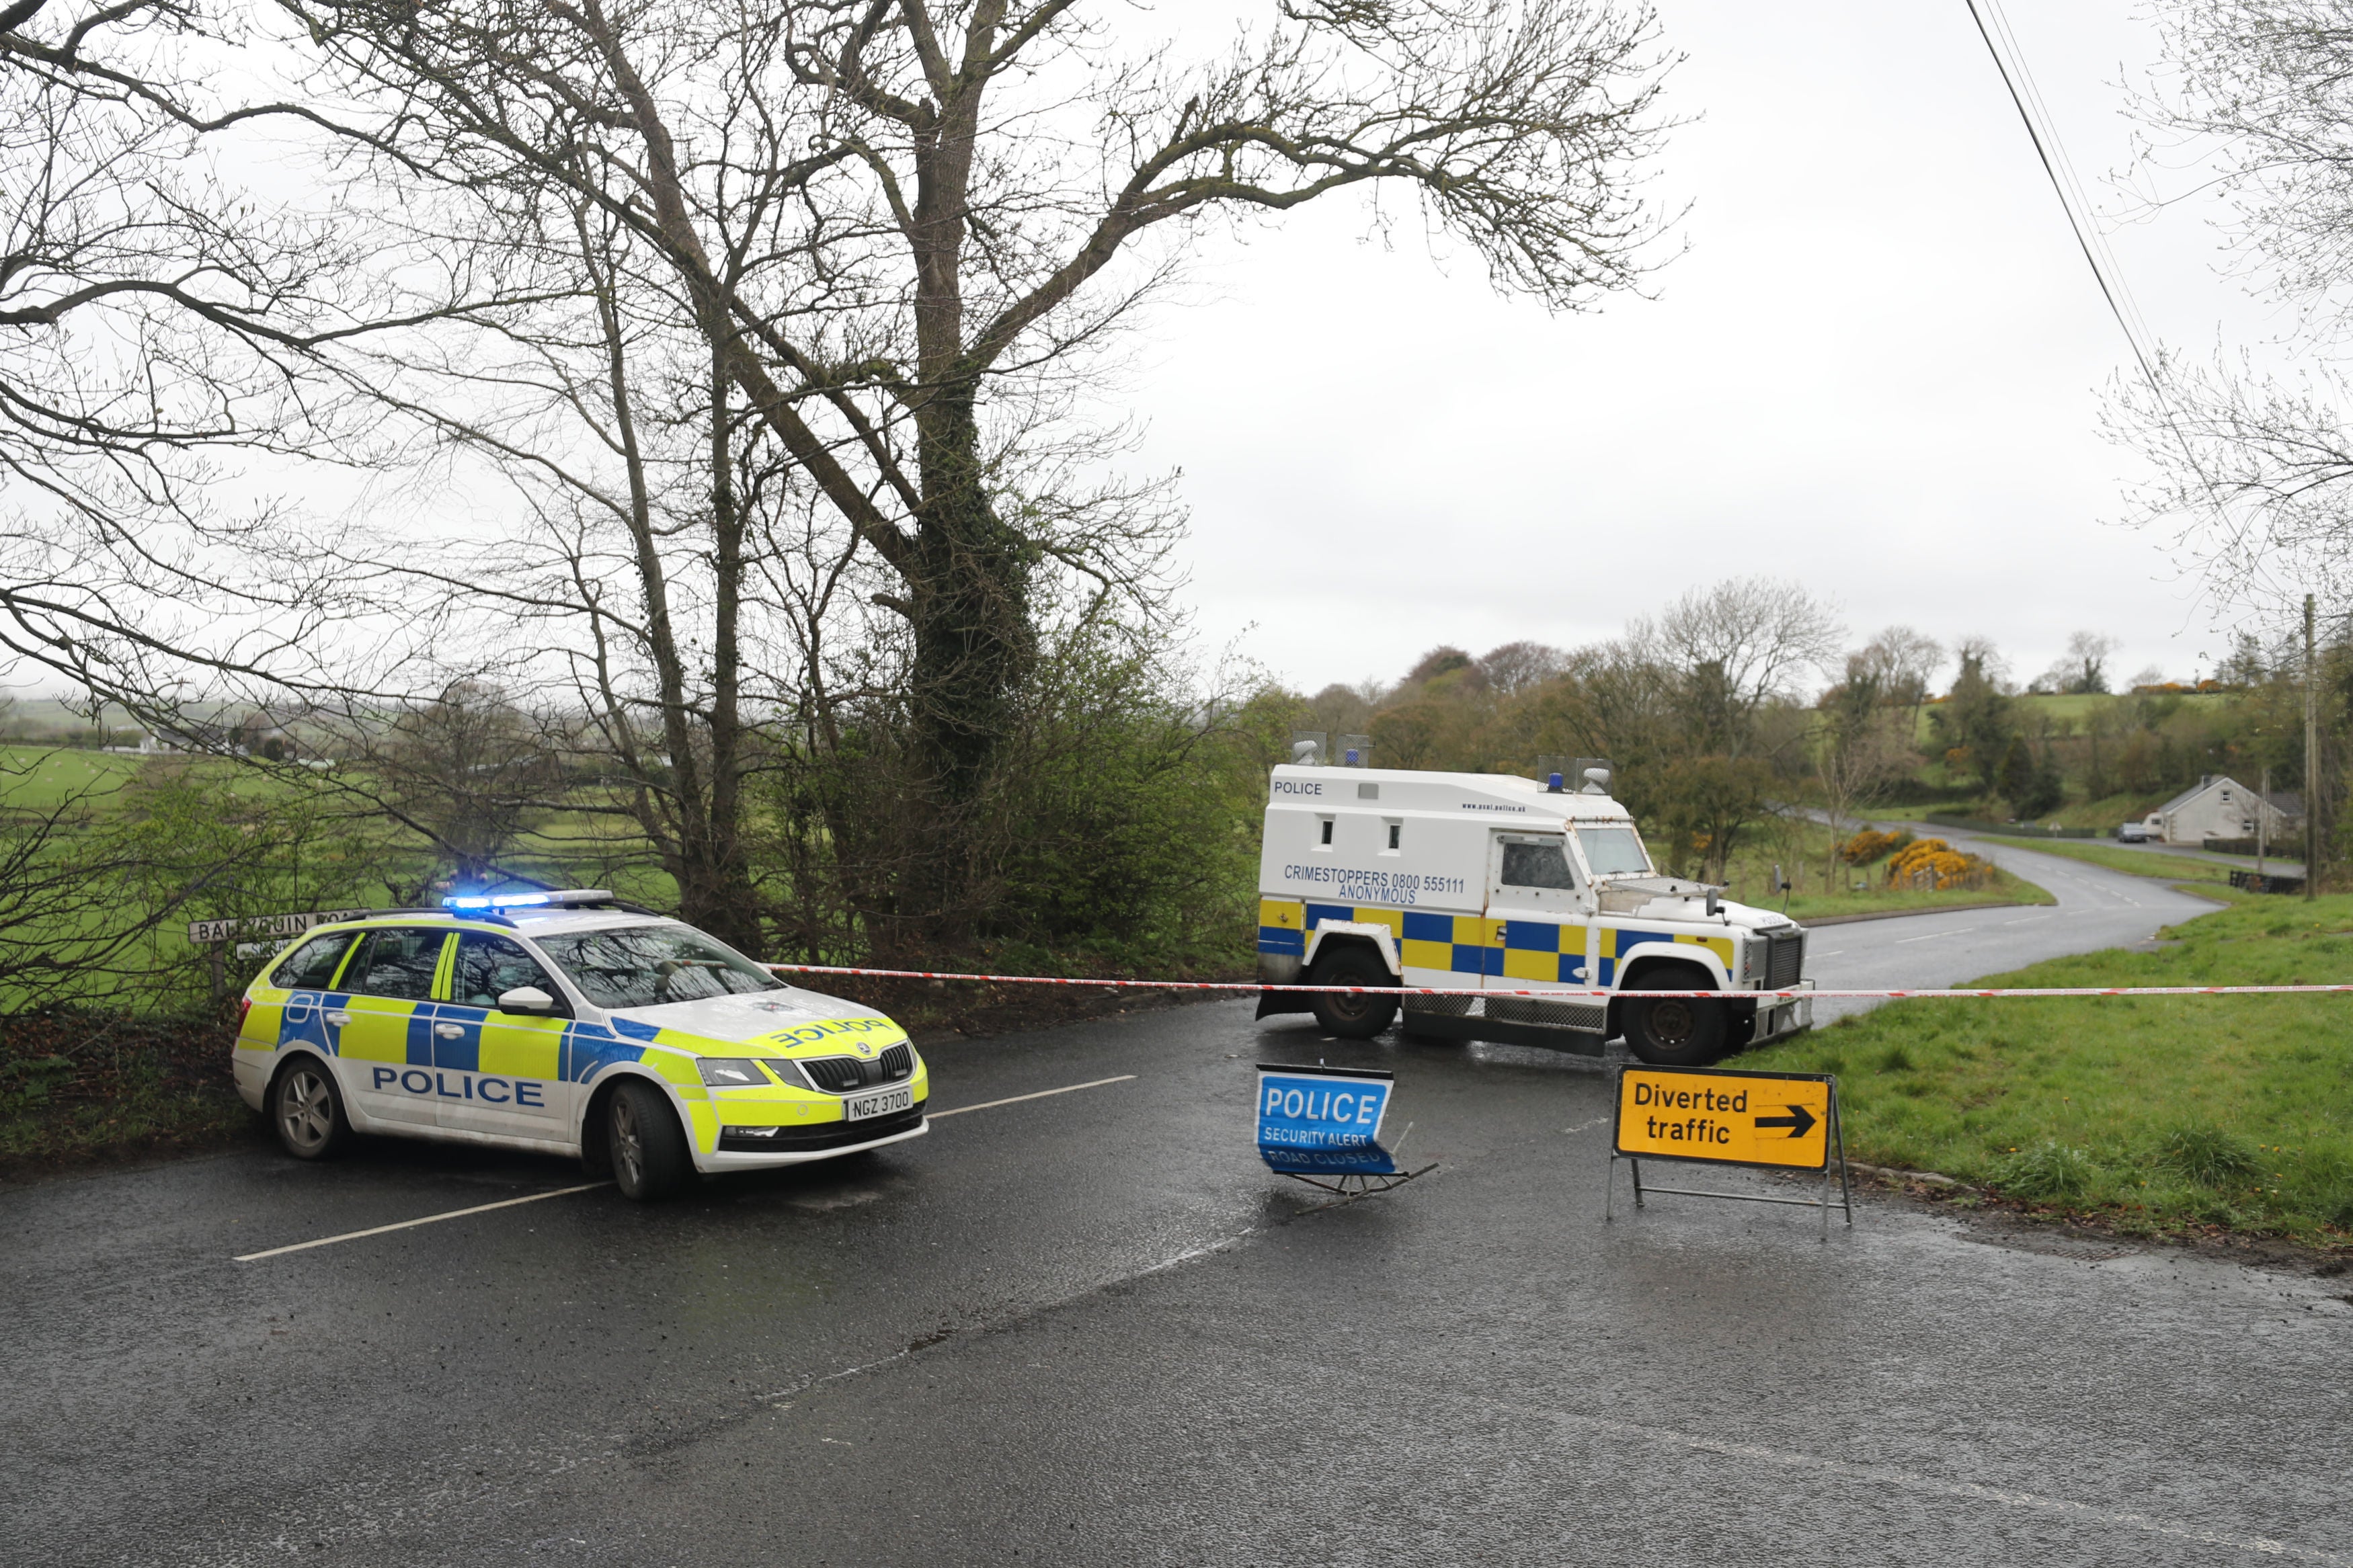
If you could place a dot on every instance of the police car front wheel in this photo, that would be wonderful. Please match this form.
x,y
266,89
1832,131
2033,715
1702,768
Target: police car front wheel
x,y
644,1144
306,1112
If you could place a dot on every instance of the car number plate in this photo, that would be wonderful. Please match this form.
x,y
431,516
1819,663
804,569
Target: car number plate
x,y
882,1104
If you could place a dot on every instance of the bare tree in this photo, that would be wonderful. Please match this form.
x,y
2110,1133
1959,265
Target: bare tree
x,y
155,320
1903,663
1518,667
2251,470
2083,669
862,258
1738,644
1862,744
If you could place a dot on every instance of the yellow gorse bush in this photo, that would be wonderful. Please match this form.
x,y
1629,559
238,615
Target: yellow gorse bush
x,y
1932,863
1870,844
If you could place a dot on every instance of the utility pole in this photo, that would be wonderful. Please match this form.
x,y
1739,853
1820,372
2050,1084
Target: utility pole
x,y
2262,822
2311,758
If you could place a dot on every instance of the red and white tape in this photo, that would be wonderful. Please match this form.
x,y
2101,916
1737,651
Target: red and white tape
x,y
1556,992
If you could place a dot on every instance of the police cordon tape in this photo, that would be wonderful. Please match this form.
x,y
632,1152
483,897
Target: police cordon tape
x,y
1555,991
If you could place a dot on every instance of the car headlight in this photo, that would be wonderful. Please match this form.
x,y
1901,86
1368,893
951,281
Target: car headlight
x,y
732,1072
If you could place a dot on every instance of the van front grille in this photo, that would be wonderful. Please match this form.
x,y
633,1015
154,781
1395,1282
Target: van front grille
x,y
1785,958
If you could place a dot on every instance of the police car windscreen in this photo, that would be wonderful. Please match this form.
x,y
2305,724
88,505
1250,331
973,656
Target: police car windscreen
x,y
1613,851
646,967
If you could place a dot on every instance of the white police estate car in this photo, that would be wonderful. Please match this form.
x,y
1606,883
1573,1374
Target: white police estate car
x,y
567,1023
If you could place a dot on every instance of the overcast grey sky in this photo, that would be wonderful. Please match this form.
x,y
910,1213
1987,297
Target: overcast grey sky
x,y
1878,369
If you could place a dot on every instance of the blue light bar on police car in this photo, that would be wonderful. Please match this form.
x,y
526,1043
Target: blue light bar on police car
x,y
565,898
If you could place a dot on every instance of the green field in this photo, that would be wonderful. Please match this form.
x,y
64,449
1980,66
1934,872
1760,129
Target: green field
x,y
39,778
2152,1114
2030,710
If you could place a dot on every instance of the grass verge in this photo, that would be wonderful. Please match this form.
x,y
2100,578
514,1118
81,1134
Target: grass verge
x,y
2004,888
2136,862
2149,1115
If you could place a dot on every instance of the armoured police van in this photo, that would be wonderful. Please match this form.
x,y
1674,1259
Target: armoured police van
x,y
1489,883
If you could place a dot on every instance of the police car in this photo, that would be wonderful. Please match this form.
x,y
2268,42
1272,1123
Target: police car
x,y
567,1023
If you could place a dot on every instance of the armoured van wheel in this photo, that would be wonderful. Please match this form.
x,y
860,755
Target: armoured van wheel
x,y
645,1145
307,1112
1353,1017
1677,1031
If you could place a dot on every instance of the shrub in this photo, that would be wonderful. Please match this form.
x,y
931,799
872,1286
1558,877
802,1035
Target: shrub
x,y
2207,1155
2046,1171
1872,845
1932,863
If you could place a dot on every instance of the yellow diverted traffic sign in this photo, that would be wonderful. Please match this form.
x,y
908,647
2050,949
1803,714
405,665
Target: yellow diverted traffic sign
x,y
1783,1120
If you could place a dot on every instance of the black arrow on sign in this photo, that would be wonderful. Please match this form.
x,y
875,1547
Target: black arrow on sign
x,y
1800,1122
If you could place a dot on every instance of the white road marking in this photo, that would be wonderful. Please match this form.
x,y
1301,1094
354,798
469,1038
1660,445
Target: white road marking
x,y
564,1192
1957,930
2026,920
410,1223
1832,953
1041,1094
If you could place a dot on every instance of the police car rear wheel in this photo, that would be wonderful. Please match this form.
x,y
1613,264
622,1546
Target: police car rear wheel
x,y
1353,1017
307,1113
1676,1031
645,1144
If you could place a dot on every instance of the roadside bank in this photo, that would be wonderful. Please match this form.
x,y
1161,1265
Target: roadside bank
x,y
2143,1115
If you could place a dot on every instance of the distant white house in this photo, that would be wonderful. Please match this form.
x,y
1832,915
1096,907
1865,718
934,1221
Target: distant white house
x,y
2220,807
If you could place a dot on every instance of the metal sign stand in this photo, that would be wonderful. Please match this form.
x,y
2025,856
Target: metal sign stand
x,y
1360,1185
1836,1161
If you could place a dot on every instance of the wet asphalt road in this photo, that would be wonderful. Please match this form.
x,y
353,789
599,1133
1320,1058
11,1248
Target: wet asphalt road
x,y
1090,1328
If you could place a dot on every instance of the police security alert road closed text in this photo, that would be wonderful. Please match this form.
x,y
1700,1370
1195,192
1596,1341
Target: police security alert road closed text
x,y
1323,1121
1733,1117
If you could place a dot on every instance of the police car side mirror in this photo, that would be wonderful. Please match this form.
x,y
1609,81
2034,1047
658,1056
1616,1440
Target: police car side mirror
x,y
526,999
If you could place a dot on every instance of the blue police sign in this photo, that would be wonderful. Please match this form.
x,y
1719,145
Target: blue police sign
x,y
1322,1121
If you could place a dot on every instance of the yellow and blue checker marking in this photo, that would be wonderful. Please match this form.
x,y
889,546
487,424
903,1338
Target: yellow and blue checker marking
x,y
1619,940
1546,952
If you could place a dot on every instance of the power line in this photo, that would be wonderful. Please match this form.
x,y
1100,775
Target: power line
x,y
2112,291
2041,128
2066,166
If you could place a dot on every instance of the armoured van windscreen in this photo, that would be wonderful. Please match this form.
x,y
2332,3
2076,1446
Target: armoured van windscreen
x,y
1613,851
1544,865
